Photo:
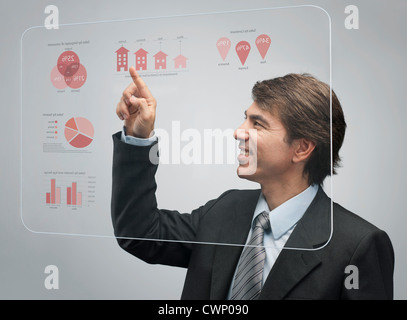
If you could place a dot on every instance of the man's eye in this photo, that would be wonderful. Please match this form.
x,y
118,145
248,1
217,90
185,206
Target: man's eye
x,y
256,123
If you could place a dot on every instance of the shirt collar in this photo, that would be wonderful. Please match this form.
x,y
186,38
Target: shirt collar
x,y
285,216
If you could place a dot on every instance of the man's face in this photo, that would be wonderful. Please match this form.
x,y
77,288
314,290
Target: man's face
x,y
265,154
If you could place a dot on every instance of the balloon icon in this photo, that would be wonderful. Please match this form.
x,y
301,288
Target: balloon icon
x,y
223,45
242,50
263,42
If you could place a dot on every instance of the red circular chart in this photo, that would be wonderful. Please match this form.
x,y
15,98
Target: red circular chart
x,y
78,79
68,71
57,79
68,63
79,132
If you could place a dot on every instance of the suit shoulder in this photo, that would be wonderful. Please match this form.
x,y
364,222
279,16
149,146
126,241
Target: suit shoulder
x,y
354,236
352,225
242,192
240,195
233,197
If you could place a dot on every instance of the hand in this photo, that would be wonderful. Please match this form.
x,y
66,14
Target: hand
x,y
137,108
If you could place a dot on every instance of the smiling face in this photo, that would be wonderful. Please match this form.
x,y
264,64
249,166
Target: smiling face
x,y
265,152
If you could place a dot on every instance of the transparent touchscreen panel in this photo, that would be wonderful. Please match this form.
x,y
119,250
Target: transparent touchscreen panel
x,y
201,69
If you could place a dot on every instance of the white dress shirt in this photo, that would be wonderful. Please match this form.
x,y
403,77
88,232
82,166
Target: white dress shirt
x,y
283,220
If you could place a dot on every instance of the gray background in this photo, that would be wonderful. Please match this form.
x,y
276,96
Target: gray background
x,y
368,76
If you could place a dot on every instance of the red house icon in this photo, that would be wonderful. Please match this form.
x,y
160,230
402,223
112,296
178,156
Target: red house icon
x,y
180,61
122,58
160,60
141,59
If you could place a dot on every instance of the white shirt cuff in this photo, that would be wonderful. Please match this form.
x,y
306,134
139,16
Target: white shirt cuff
x,y
138,141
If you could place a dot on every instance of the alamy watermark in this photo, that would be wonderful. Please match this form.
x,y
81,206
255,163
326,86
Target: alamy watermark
x,y
352,20
51,281
207,147
352,280
52,20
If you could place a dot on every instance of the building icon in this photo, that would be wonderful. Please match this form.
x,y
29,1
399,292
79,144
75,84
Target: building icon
x,y
160,59
141,59
122,59
180,62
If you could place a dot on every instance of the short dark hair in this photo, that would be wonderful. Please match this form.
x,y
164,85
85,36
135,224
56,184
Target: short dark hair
x,y
302,103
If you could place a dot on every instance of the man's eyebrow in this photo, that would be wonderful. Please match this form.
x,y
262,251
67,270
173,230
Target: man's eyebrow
x,y
256,117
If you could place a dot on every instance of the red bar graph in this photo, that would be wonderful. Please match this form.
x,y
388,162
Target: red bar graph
x,y
73,197
53,191
58,196
74,193
54,197
79,199
68,196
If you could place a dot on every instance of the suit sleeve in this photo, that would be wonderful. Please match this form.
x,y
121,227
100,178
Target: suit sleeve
x,y
135,215
374,259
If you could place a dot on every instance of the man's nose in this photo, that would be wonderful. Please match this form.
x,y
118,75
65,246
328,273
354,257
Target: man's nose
x,y
241,133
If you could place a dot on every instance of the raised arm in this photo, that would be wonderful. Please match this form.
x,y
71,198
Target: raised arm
x,y
135,215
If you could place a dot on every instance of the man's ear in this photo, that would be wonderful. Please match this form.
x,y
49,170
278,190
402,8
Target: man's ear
x,y
303,150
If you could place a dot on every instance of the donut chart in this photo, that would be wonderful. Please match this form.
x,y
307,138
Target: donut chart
x,y
79,132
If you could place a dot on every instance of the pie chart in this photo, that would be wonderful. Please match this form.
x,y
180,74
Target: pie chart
x,y
79,132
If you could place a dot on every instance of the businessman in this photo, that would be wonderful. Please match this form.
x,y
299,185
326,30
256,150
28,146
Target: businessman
x,y
286,245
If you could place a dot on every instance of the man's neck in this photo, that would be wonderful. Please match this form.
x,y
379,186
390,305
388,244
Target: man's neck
x,y
276,193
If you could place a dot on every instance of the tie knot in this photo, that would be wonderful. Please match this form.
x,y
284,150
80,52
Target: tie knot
x,y
262,221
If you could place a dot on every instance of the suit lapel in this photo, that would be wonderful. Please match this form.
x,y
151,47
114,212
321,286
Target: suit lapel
x,y
292,265
300,255
290,268
234,230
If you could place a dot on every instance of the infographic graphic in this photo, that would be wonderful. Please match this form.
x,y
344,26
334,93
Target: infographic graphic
x,y
73,196
68,189
223,45
160,60
79,132
68,72
243,47
243,50
263,44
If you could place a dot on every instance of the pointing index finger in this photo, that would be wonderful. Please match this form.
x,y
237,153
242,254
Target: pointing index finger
x,y
141,86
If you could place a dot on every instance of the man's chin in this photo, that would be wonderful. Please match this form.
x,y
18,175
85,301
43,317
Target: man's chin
x,y
247,171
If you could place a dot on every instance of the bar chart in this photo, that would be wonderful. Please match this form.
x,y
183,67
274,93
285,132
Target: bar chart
x,y
67,190
54,196
73,196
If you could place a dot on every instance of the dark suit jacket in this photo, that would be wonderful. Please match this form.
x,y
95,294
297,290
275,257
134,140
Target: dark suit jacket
x,y
315,272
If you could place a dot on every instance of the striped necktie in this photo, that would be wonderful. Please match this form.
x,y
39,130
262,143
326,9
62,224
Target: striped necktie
x,y
249,275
